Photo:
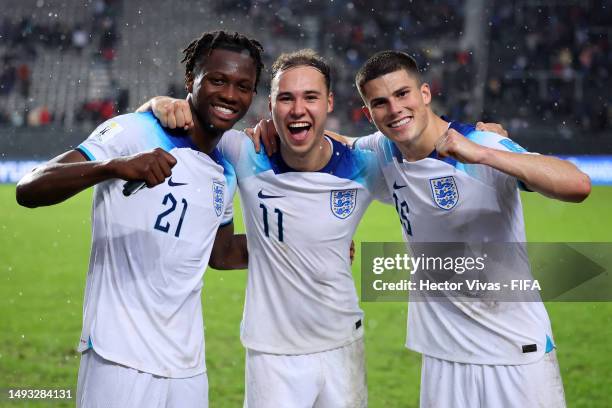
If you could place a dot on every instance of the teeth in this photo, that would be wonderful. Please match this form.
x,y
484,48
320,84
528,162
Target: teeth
x,y
299,124
401,122
223,110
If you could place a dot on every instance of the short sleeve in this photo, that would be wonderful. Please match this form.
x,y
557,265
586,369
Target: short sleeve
x,y
378,185
370,142
488,174
114,138
495,141
371,168
230,145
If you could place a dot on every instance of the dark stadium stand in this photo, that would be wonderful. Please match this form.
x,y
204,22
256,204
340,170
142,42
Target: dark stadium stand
x,y
542,68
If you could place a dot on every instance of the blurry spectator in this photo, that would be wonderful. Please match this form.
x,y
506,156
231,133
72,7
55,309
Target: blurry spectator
x,y
8,77
96,111
25,80
39,117
80,38
123,100
4,117
107,110
16,119
108,40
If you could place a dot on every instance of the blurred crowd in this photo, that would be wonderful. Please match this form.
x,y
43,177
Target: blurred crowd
x,y
347,33
546,61
555,63
24,39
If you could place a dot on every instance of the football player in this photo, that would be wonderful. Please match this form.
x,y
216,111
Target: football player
x,y
142,342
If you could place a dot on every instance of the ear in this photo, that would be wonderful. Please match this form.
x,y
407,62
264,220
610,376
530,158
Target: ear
x,y
426,93
330,102
367,113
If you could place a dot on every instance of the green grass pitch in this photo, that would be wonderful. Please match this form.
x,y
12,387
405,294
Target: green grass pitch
x,y
43,262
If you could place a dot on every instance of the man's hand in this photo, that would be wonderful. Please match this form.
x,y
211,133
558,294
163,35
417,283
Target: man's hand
x,y
454,145
264,132
492,127
172,113
153,167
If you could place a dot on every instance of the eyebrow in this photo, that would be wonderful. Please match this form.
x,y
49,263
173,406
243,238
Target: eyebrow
x,y
307,92
376,100
402,89
384,99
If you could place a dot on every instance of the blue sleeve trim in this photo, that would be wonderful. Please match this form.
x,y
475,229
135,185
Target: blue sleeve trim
x,y
226,223
83,150
512,146
549,344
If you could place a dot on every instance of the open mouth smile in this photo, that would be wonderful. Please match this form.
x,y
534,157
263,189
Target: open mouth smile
x,y
299,130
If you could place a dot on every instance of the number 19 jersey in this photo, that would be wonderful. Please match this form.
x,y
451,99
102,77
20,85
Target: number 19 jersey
x,y
441,200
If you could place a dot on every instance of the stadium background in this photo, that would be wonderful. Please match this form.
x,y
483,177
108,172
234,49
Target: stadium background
x,y
540,67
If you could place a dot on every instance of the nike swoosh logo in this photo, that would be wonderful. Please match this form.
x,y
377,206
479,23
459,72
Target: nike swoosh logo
x,y
396,187
174,184
264,196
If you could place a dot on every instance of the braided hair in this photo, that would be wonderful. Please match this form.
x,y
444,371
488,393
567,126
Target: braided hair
x,y
208,41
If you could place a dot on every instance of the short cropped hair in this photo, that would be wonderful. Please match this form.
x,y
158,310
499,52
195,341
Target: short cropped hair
x,y
305,57
386,62
200,48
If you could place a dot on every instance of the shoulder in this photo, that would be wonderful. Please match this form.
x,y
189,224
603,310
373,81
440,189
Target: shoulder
x,y
383,147
132,124
238,149
134,120
355,164
234,134
233,141
369,142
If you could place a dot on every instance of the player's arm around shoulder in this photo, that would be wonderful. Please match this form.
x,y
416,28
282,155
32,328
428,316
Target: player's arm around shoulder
x,y
549,176
172,113
229,250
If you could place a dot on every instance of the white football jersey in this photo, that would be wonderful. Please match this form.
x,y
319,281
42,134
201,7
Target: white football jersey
x,y
149,252
441,200
300,295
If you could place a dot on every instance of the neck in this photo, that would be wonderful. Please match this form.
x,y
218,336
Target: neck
x,y
313,160
425,143
203,136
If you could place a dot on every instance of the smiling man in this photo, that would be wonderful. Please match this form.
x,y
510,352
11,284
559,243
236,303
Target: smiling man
x,y
302,325
452,183
142,342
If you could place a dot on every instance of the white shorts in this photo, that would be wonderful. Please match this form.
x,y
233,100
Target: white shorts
x,y
105,384
447,384
329,379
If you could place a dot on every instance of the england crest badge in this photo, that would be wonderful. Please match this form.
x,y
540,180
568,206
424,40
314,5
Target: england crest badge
x,y
444,192
218,190
343,202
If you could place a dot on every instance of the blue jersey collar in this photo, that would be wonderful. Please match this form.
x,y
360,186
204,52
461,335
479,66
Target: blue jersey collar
x,y
279,166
